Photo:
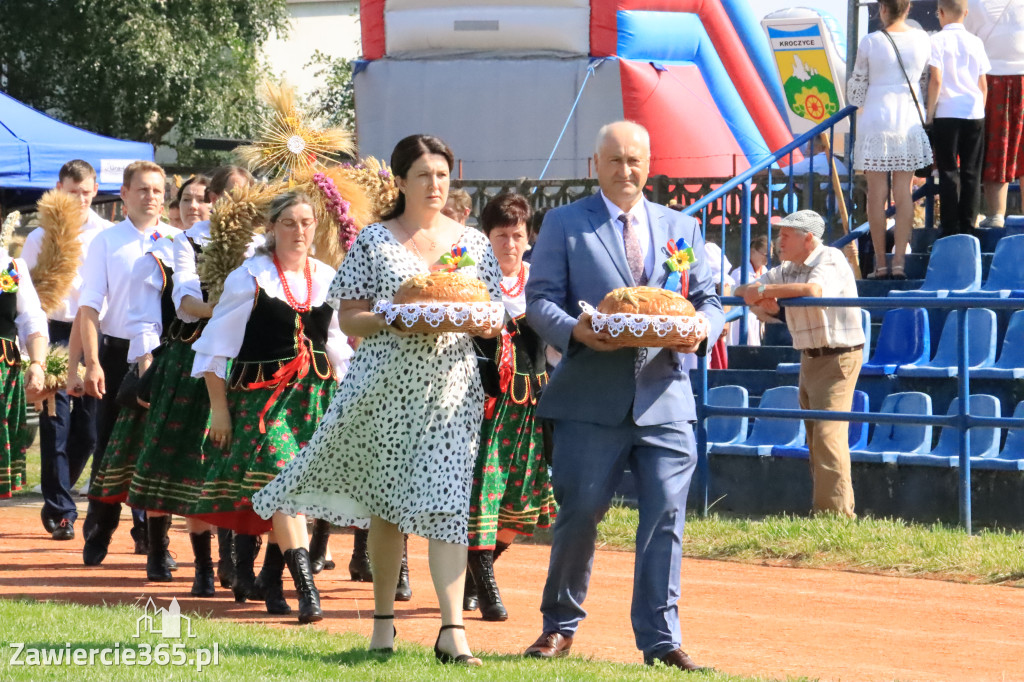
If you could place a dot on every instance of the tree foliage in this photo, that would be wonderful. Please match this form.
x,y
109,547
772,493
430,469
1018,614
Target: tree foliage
x,y
334,102
140,69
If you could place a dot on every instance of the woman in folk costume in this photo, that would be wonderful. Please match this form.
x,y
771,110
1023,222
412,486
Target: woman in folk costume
x,y
170,462
151,319
511,482
22,317
274,320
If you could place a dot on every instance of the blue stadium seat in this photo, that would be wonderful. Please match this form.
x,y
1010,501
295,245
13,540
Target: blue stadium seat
x,y
865,319
984,439
889,440
1006,273
981,351
858,433
1011,458
954,266
768,432
727,429
903,340
1010,364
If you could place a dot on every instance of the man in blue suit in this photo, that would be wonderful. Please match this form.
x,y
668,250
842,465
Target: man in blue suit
x,y
614,408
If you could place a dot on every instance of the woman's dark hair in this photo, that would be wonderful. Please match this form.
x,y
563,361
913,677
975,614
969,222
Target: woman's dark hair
x,y
221,176
759,243
897,8
406,152
508,209
199,180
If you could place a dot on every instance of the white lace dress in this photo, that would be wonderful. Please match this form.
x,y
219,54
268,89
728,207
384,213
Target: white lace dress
x,y
890,136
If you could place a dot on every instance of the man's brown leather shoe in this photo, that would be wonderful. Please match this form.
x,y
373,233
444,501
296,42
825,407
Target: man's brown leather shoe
x,y
550,645
678,659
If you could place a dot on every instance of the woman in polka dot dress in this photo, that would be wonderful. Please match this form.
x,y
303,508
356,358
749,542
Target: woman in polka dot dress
x,y
399,441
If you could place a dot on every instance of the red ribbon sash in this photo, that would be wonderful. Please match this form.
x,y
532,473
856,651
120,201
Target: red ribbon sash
x,y
297,368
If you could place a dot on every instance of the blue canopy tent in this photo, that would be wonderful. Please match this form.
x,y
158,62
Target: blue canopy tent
x,y
34,146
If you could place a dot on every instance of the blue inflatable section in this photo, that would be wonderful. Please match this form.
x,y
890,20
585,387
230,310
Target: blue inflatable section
x,y
748,28
679,39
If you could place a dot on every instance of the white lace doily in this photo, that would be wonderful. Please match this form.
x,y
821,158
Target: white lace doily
x,y
641,325
475,315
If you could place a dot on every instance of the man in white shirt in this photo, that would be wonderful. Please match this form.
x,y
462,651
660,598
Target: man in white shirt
x,y
830,341
106,277
66,439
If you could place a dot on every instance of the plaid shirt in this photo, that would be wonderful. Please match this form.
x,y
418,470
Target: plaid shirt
x,y
821,327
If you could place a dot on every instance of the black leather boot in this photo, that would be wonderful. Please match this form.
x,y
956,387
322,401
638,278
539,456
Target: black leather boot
x,y
269,582
157,542
225,562
202,585
318,546
481,567
359,565
247,547
101,521
309,599
403,592
470,602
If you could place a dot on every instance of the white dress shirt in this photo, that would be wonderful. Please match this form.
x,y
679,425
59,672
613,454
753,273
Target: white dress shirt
x,y
642,225
223,335
186,276
93,225
145,313
1000,25
960,58
106,274
30,319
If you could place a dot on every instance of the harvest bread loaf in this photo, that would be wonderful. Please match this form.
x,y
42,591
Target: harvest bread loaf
x,y
442,287
645,301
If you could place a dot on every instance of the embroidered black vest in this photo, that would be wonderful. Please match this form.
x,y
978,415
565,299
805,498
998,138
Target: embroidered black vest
x,y
529,365
272,339
188,332
9,353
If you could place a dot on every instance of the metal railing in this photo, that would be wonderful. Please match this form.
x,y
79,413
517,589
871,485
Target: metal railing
x,y
742,184
963,421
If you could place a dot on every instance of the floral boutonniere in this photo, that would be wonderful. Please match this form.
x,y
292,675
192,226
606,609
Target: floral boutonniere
x,y
454,259
9,279
680,258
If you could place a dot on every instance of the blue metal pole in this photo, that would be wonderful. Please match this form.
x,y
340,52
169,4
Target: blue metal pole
x,y
963,430
744,249
703,466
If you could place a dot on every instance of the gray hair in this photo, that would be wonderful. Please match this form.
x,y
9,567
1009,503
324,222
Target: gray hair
x,y
607,128
280,204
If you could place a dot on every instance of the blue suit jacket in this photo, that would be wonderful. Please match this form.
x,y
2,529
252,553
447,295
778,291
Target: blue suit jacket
x,y
579,256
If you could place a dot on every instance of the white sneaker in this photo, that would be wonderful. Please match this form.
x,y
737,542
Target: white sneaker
x,y
992,221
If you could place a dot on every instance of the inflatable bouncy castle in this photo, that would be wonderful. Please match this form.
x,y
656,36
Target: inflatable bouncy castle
x,y
499,80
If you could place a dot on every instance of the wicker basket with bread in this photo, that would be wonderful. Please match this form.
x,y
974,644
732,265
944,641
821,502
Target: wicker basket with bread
x,y
647,317
442,302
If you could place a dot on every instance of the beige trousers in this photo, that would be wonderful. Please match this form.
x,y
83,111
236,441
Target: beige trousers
x,y
827,383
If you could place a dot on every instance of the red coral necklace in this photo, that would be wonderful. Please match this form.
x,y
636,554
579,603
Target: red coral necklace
x,y
520,284
296,306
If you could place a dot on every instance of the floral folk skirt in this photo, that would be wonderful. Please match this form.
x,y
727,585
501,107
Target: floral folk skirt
x,y
511,481
170,469
254,458
1004,129
14,430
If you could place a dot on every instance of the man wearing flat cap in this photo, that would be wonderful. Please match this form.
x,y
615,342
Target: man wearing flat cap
x,y
830,341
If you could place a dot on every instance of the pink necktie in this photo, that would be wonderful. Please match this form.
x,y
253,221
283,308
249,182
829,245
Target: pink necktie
x,y
634,256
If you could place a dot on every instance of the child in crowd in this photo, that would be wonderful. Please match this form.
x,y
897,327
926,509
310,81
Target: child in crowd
x,y
956,108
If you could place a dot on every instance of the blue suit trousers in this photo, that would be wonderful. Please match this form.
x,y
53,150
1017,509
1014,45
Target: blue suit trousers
x,y
588,463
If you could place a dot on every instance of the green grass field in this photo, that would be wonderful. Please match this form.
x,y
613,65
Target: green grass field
x,y
256,652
